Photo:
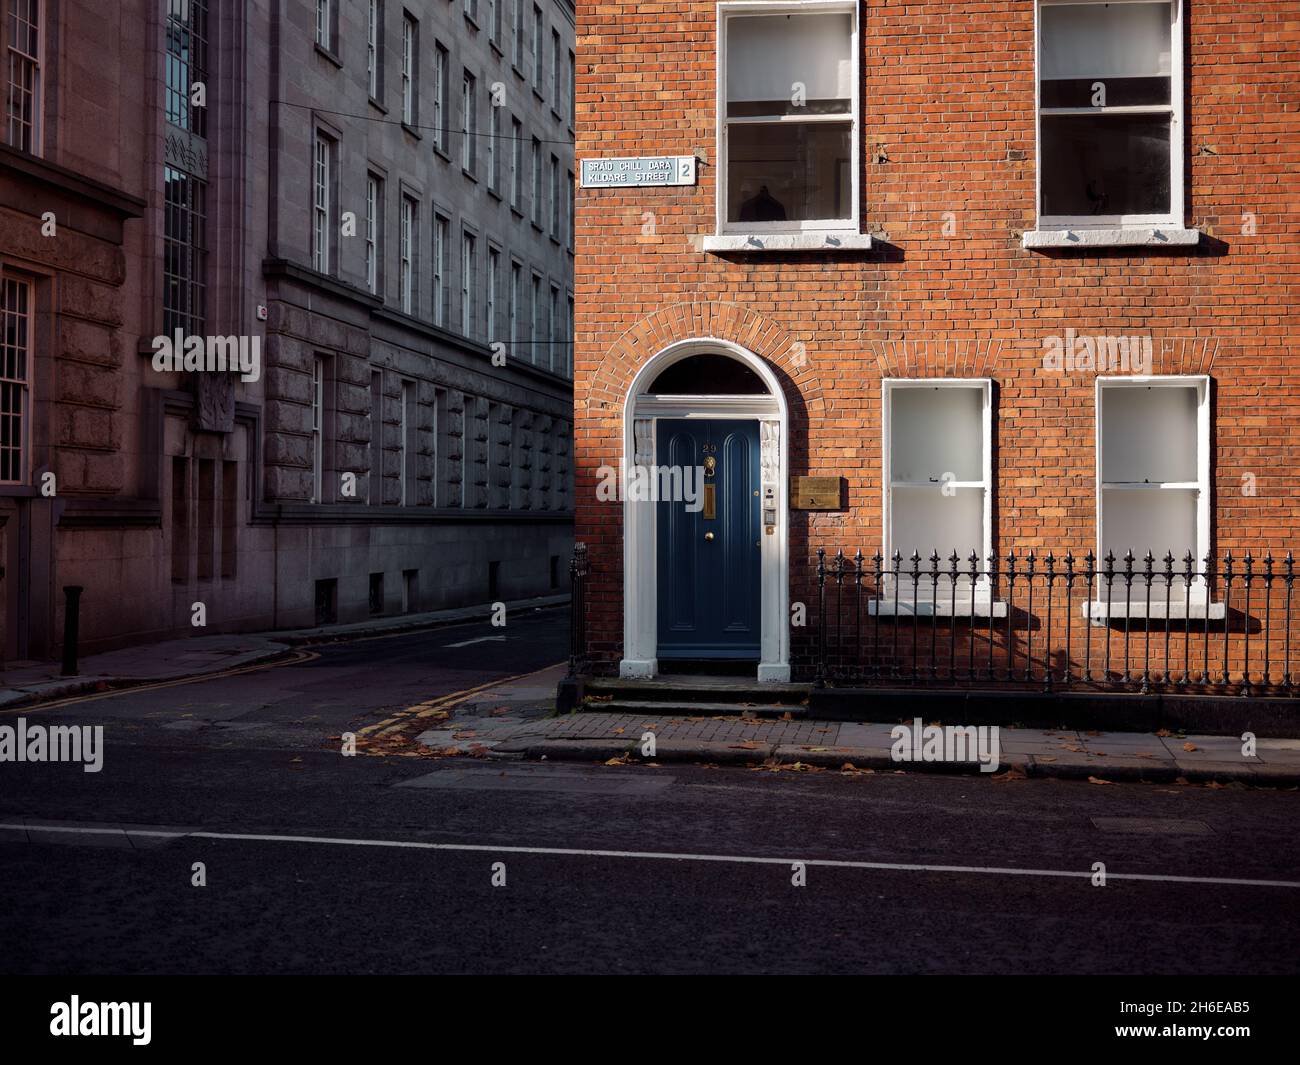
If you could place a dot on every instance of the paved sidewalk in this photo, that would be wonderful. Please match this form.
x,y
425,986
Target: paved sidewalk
x,y
28,683
512,721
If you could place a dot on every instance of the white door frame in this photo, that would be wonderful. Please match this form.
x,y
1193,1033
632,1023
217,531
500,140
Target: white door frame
x,y
640,576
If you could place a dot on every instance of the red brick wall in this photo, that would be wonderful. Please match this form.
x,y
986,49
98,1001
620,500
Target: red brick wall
x,y
948,95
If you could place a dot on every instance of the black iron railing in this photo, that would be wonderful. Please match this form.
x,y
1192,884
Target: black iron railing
x,y
1027,620
578,654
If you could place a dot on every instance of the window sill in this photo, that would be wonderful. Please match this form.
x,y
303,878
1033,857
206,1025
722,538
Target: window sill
x,y
811,240
329,54
411,130
1178,610
378,106
942,608
1117,237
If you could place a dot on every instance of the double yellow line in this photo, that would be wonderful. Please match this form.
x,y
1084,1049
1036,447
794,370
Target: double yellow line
x,y
33,708
442,702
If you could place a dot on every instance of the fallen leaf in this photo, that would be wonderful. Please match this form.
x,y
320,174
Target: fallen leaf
x,y
1045,758
1162,732
1093,732
1189,746
1011,774
1098,780
622,759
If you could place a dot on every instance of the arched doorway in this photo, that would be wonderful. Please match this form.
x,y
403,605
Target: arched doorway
x,y
706,570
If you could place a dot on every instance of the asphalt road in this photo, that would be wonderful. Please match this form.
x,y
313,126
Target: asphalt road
x,y
249,755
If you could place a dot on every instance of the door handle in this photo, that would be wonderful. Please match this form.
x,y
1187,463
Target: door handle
x,y
708,536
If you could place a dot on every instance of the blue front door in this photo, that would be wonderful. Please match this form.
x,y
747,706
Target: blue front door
x,y
709,551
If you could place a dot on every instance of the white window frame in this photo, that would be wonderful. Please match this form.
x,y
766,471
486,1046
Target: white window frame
x,y
374,41
535,183
441,91
733,8
493,149
374,228
925,604
535,311
12,55
410,46
539,48
1202,485
408,235
553,353
468,277
322,250
1176,135
468,121
318,370
514,297
516,162
23,385
325,24
441,283
490,290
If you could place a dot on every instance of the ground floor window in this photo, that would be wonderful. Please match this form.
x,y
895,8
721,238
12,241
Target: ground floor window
x,y
1153,467
16,331
938,473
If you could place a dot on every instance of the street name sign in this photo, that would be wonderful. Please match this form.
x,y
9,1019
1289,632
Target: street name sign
x,y
638,171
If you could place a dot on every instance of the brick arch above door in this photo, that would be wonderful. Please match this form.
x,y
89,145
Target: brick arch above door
x,y
793,361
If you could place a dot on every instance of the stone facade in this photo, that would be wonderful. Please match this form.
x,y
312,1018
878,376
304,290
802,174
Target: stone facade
x,y
420,472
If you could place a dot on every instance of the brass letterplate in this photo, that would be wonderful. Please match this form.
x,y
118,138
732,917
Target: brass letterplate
x,y
710,502
816,493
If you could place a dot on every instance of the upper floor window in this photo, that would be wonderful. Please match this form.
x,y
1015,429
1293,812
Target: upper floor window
x,y
322,244
1110,113
468,122
494,20
517,42
407,254
441,89
538,54
410,44
21,33
375,48
468,283
789,116
374,231
186,63
325,24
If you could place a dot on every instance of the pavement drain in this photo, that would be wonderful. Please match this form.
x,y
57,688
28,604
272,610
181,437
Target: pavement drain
x,y
528,777
1164,826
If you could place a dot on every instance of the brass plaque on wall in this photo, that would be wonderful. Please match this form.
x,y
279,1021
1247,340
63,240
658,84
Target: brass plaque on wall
x,y
816,493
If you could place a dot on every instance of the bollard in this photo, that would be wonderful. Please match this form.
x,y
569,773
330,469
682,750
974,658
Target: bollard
x,y
71,628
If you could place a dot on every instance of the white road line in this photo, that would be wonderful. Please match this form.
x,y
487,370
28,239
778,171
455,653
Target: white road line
x,y
734,859
481,639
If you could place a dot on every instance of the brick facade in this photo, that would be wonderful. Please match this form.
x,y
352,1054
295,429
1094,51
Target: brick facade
x,y
948,127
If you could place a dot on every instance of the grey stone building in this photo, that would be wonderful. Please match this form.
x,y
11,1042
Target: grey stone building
x,y
373,198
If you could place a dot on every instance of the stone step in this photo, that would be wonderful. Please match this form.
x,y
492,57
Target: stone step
x,y
684,708
696,690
